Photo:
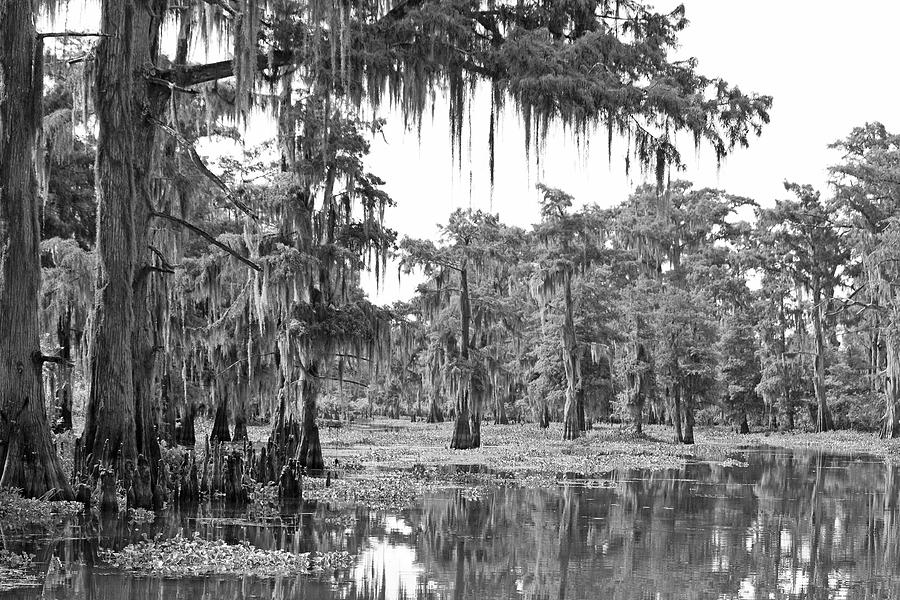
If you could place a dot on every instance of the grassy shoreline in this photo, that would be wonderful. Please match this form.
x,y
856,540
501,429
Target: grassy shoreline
x,y
526,450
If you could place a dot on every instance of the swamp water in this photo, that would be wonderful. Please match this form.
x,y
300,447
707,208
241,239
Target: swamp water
x,y
764,524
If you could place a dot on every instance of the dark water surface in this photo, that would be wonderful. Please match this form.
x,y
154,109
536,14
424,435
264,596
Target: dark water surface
x,y
789,524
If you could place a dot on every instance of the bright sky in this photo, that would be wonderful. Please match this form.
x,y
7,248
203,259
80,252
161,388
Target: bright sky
x,y
825,62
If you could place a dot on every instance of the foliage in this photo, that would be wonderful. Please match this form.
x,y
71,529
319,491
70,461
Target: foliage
x,y
16,571
17,512
194,556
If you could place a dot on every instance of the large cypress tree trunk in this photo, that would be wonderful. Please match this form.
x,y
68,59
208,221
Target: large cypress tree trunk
x,y
309,453
27,457
435,414
63,389
891,426
500,409
688,406
119,415
467,428
823,415
220,431
110,417
676,408
637,383
573,415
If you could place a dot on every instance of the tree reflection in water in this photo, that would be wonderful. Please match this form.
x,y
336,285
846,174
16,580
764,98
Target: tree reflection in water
x,y
789,525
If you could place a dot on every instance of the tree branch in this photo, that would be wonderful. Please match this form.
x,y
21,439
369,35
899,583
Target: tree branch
x,y
201,166
223,5
196,74
43,358
71,34
159,255
208,238
172,86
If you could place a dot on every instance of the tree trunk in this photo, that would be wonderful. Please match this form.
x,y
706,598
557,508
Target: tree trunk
x,y
573,414
309,453
742,426
239,410
119,414
467,429
463,437
146,403
638,386
676,412
435,415
220,431
185,433
891,426
544,417
500,410
27,457
771,411
603,406
63,389
688,437
169,426
823,415
688,409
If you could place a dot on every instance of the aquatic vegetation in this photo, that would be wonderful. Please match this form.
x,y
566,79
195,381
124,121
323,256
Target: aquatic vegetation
x,y
263,500
192,556
141,516
16,571
18,512
393,490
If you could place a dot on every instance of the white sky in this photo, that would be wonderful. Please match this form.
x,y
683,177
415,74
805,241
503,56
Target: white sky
x,y
827,64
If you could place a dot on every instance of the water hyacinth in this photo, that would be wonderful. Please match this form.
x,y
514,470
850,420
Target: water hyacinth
x,y
194,556
16,571
17,512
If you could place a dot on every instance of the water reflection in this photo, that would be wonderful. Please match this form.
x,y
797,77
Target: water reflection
x,y
788,525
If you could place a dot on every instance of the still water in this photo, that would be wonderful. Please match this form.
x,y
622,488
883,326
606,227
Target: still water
x,y
780,524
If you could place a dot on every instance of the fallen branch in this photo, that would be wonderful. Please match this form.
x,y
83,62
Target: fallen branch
x,y
208,238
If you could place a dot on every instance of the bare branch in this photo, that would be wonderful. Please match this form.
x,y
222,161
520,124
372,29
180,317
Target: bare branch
x,y
43,358
201,166
159,255
223,5
71,34
208,238
172,86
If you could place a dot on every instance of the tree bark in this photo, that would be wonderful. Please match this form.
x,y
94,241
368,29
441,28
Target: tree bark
x,y
28,459
573,414
185,433
743,427
676,410
467,428
435,414
823,415
220,431
63,390
891,425
309,453
638,385
688,409
500,410
119,415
